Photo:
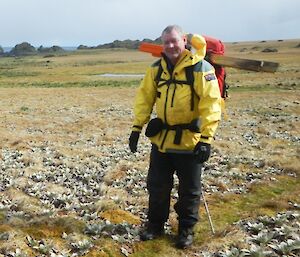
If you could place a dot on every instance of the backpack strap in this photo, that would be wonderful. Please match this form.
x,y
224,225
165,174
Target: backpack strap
x,y
159,72
189,74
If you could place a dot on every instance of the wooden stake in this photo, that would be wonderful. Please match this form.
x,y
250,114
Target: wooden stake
x,y
244,64
223,60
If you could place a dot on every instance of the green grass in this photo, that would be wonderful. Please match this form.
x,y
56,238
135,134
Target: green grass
x,y
263,199
259,88
17,73
75,84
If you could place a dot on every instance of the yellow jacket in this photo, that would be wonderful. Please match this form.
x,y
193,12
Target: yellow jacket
x,y
173,101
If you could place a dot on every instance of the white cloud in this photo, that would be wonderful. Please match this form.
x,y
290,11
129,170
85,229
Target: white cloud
x,y
91,22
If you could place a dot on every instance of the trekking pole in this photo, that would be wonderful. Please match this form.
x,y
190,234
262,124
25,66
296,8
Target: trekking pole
x,y
207,212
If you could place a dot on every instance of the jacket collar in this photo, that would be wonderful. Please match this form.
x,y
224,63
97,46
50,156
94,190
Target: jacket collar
x,y
186,59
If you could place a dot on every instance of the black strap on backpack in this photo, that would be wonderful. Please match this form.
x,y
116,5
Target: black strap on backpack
x,y
189,73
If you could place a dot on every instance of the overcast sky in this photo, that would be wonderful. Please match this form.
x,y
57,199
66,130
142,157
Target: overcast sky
x,y
94,22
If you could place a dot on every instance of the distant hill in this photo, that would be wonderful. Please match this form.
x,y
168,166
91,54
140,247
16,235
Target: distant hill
x,y
129,44
25,48
53,49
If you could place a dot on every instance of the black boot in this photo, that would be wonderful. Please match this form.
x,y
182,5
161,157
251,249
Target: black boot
x,y
185,237
152,231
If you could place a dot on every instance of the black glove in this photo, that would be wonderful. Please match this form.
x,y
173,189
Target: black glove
x,y
133,141
202,151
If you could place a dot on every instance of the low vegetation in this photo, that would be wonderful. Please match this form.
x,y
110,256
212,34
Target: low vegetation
x,y
70,187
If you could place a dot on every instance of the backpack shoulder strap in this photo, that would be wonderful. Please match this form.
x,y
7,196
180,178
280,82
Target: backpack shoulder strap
x,y
189,74
189,71
159,72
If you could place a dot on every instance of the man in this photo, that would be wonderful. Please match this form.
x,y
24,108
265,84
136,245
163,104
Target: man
x,y
187,118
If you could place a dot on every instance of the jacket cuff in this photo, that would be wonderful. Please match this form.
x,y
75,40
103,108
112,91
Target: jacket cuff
x,y
137,128
205,139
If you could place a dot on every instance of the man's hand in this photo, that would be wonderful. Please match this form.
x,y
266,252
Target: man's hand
x,y
202,151
133,141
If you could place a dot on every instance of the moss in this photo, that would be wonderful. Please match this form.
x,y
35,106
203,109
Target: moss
x,y
2,216
120,216
54,227
95,253
162,247
98,253
69,224
43,231
106,248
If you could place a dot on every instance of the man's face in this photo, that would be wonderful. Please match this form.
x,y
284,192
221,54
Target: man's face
x,y
173,45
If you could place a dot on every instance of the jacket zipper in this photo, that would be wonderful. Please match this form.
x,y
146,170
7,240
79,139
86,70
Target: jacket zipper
x,y
166,102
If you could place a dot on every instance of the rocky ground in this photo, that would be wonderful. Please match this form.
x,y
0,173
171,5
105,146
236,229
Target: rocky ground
x,y
68,180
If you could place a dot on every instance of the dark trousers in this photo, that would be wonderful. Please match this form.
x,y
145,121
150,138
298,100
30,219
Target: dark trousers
x,y
160,183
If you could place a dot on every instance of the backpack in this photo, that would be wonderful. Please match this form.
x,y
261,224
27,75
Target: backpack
x,y
215,46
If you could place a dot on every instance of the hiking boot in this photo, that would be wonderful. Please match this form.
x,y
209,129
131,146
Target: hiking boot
x,y
152,231
185,237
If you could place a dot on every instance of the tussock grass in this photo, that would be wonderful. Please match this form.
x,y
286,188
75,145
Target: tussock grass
x,y
288,165
116,174
23,202
106,205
